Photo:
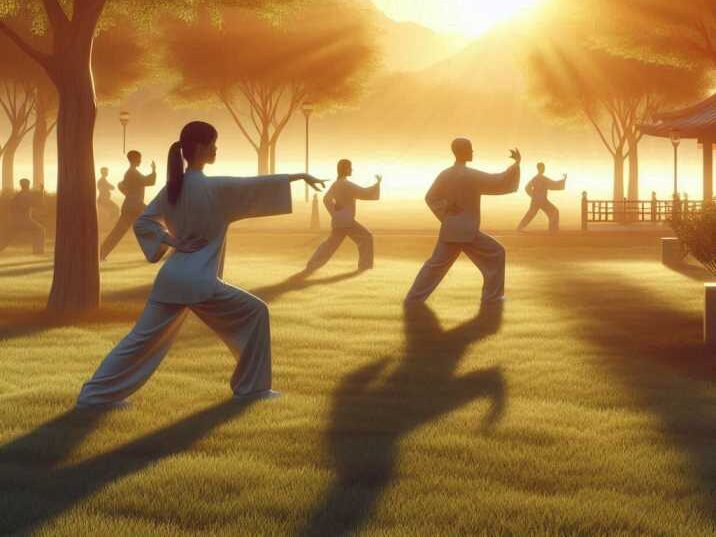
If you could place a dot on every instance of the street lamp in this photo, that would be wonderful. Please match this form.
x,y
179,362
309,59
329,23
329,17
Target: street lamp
x,y
675,141
307,108
124,119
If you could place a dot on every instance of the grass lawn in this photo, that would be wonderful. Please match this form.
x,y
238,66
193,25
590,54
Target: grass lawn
x,y
587,406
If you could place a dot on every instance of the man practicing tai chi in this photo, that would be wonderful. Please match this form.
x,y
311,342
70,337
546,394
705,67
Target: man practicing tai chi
x,y
192,215
20,220
537,190
454,198
106,208
340,201
132,187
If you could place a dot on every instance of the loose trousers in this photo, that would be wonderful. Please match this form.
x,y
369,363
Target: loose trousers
x,y
124,224
27,226
486,253
107,211
240,319
357,233
541,205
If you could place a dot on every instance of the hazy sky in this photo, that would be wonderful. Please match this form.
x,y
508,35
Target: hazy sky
x,y
467,17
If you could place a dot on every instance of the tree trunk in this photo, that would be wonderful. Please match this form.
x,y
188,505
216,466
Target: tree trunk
x,y
633,169
39,141
8,163
75,285
264,154
272,158
618,176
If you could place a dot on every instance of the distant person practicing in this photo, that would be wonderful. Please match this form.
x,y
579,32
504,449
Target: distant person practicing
x,y
454,198
191,214
537,190
340,201
21,221
106,208
132,187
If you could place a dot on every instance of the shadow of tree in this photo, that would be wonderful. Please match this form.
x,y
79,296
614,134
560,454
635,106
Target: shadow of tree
x,y
368,420
659,359
33,490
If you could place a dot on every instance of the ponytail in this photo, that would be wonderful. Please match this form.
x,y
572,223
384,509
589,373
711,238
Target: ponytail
x,y
175,173
192,135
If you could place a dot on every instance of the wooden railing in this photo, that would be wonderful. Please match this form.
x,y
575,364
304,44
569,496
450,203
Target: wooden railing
x,y
635,211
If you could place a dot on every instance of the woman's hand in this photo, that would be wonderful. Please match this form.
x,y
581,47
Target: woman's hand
x,y
315,184
516,155
378,178
188,245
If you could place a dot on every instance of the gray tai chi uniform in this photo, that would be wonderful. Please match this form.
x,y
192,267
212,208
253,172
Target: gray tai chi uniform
x,y
537,189
133,187
455,200
340,200
105,206
192,281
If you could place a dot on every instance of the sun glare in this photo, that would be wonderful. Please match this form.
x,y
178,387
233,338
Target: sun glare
x,y
467,17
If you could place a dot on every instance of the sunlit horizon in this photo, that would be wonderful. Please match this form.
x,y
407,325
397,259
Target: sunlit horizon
x,y
468,18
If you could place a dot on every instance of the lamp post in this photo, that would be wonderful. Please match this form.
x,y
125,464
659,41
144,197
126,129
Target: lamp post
x,y
124,119
675,141
307,109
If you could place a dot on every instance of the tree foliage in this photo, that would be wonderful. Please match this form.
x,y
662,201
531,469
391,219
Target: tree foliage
x,y
271,66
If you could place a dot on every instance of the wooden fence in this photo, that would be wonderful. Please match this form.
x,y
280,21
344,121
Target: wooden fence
x,y
635,211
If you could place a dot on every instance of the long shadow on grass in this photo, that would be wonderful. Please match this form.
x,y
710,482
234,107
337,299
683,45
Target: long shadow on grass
x,y
369,420
40,261
656,353
33,490
694,272
16,322
298,282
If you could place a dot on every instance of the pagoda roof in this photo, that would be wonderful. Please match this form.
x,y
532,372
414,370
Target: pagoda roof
x,y
697,121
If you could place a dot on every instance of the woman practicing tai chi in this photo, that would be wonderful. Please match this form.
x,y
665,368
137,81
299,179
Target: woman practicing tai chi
x,y
191,214
340,201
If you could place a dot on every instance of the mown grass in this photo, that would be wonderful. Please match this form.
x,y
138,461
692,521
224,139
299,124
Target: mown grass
x,y
587,406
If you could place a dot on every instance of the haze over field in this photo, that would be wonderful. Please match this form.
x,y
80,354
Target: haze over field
x,y
429,87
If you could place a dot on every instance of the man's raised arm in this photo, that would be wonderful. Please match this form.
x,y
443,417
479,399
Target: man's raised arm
x,y
501,183
556,185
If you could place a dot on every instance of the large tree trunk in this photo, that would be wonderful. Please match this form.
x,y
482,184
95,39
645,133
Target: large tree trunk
x,y
39,141
8,163
633,193
76,285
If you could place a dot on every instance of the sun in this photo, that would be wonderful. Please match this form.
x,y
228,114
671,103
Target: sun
x,y
466,17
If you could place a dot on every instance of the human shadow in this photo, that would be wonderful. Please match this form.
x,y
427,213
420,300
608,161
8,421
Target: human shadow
x,y
660,361
34,490
299,281
368,420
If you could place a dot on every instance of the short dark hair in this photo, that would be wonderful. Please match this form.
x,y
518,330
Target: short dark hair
x,y
342,167
24,182
133,155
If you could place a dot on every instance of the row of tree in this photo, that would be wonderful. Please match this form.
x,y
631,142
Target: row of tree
x,y
611,63
616,64
273,54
